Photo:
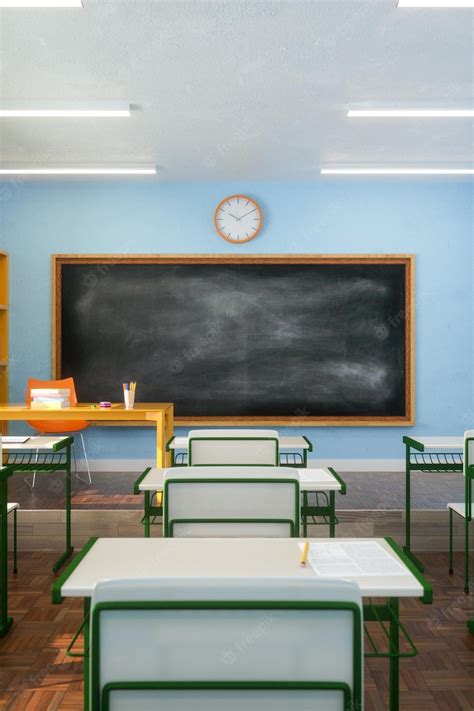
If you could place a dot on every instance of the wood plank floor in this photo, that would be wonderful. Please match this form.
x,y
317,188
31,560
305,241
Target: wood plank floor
x,y
37,675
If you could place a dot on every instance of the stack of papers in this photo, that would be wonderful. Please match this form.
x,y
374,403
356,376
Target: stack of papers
x,y
50,398
353,559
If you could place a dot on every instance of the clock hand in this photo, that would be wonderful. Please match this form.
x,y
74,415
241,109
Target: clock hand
x,y
235,218
247,213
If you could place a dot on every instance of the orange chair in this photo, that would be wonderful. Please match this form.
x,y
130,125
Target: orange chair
x,y
58,426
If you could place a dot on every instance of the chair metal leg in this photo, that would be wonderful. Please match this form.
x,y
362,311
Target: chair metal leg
x,y
15,567
32,485
451,569
85,457
466,555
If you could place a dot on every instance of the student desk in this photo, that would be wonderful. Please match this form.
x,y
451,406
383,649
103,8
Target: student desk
x,y
129,558
311,480
45,454
178,446
428,454
159,412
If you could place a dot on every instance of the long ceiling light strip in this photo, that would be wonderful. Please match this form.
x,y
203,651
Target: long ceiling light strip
x,y
40,3
397,171
410,113
139,170
65,113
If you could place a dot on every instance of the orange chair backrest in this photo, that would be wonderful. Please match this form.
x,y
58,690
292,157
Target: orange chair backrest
x,y
55,426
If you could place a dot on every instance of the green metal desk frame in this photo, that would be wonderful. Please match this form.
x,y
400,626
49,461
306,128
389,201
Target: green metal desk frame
x,y
385,614
324,506
424,466
58,459
300,461
468,479
5,621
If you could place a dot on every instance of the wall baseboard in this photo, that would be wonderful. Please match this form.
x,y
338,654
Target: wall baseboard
x,y
343,465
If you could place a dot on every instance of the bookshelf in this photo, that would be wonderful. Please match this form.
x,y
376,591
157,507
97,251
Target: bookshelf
x,y
3,333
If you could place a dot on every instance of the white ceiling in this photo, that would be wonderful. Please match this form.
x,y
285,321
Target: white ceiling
x,y
228,89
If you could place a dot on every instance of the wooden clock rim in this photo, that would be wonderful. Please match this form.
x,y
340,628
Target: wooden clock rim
x,y
238,241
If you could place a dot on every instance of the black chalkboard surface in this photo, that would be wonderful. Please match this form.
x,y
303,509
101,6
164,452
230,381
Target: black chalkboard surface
x,y
256,339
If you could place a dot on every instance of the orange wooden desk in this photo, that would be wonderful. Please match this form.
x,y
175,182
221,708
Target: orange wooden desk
x,y
161,413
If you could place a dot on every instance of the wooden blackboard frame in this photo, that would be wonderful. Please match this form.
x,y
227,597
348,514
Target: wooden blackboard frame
x,y
407,318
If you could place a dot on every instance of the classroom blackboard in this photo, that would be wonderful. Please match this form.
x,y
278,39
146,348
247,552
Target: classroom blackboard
x,y
242,339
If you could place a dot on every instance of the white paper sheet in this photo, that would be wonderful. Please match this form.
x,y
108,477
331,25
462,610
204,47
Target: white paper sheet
x,y
14,440
353,558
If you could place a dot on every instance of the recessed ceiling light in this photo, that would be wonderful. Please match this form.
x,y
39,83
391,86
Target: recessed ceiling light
x,y
397,171
65,113
137,170
40,3
436,3
410,113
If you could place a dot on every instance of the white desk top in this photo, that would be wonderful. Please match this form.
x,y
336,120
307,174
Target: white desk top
x,y
310,479
217,558
32,443
440,442
285,443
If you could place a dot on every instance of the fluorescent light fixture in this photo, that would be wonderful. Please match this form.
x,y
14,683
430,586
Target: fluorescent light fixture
x,y
397,171
436,3
40,3
138,170
65,113
410,113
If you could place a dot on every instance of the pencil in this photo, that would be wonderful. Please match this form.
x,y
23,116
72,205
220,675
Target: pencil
x,y
304,554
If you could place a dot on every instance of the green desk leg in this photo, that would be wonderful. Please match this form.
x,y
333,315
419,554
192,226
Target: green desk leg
x,y
15,542
69,549
470,626
450,555
407,546
146,520
467,520
332,515
86,662
394,689
5,621
305,518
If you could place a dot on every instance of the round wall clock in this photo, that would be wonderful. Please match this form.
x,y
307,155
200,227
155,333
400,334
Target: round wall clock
x,y
238,219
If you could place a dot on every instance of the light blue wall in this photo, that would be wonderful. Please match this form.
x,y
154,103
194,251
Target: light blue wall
x,y
431,220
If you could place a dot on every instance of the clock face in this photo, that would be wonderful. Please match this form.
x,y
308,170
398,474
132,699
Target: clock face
x,y
238,219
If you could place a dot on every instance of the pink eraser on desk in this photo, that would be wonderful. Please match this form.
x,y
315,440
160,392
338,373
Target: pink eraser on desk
x,y
105,403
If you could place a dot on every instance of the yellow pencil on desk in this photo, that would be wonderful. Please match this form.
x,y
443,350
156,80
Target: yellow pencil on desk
x,y
304,554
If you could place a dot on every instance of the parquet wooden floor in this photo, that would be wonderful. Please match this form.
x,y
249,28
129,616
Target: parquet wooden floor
x,y
37,675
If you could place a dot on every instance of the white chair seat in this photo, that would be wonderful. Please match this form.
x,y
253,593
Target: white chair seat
x,y
460,509
12,507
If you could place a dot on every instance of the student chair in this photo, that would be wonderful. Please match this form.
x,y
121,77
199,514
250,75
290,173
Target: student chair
x,y
464,510
233,448
57,427
209,645
235,502
13,508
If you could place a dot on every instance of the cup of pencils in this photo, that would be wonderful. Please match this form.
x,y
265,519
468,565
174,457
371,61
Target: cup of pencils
x,y
129,395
